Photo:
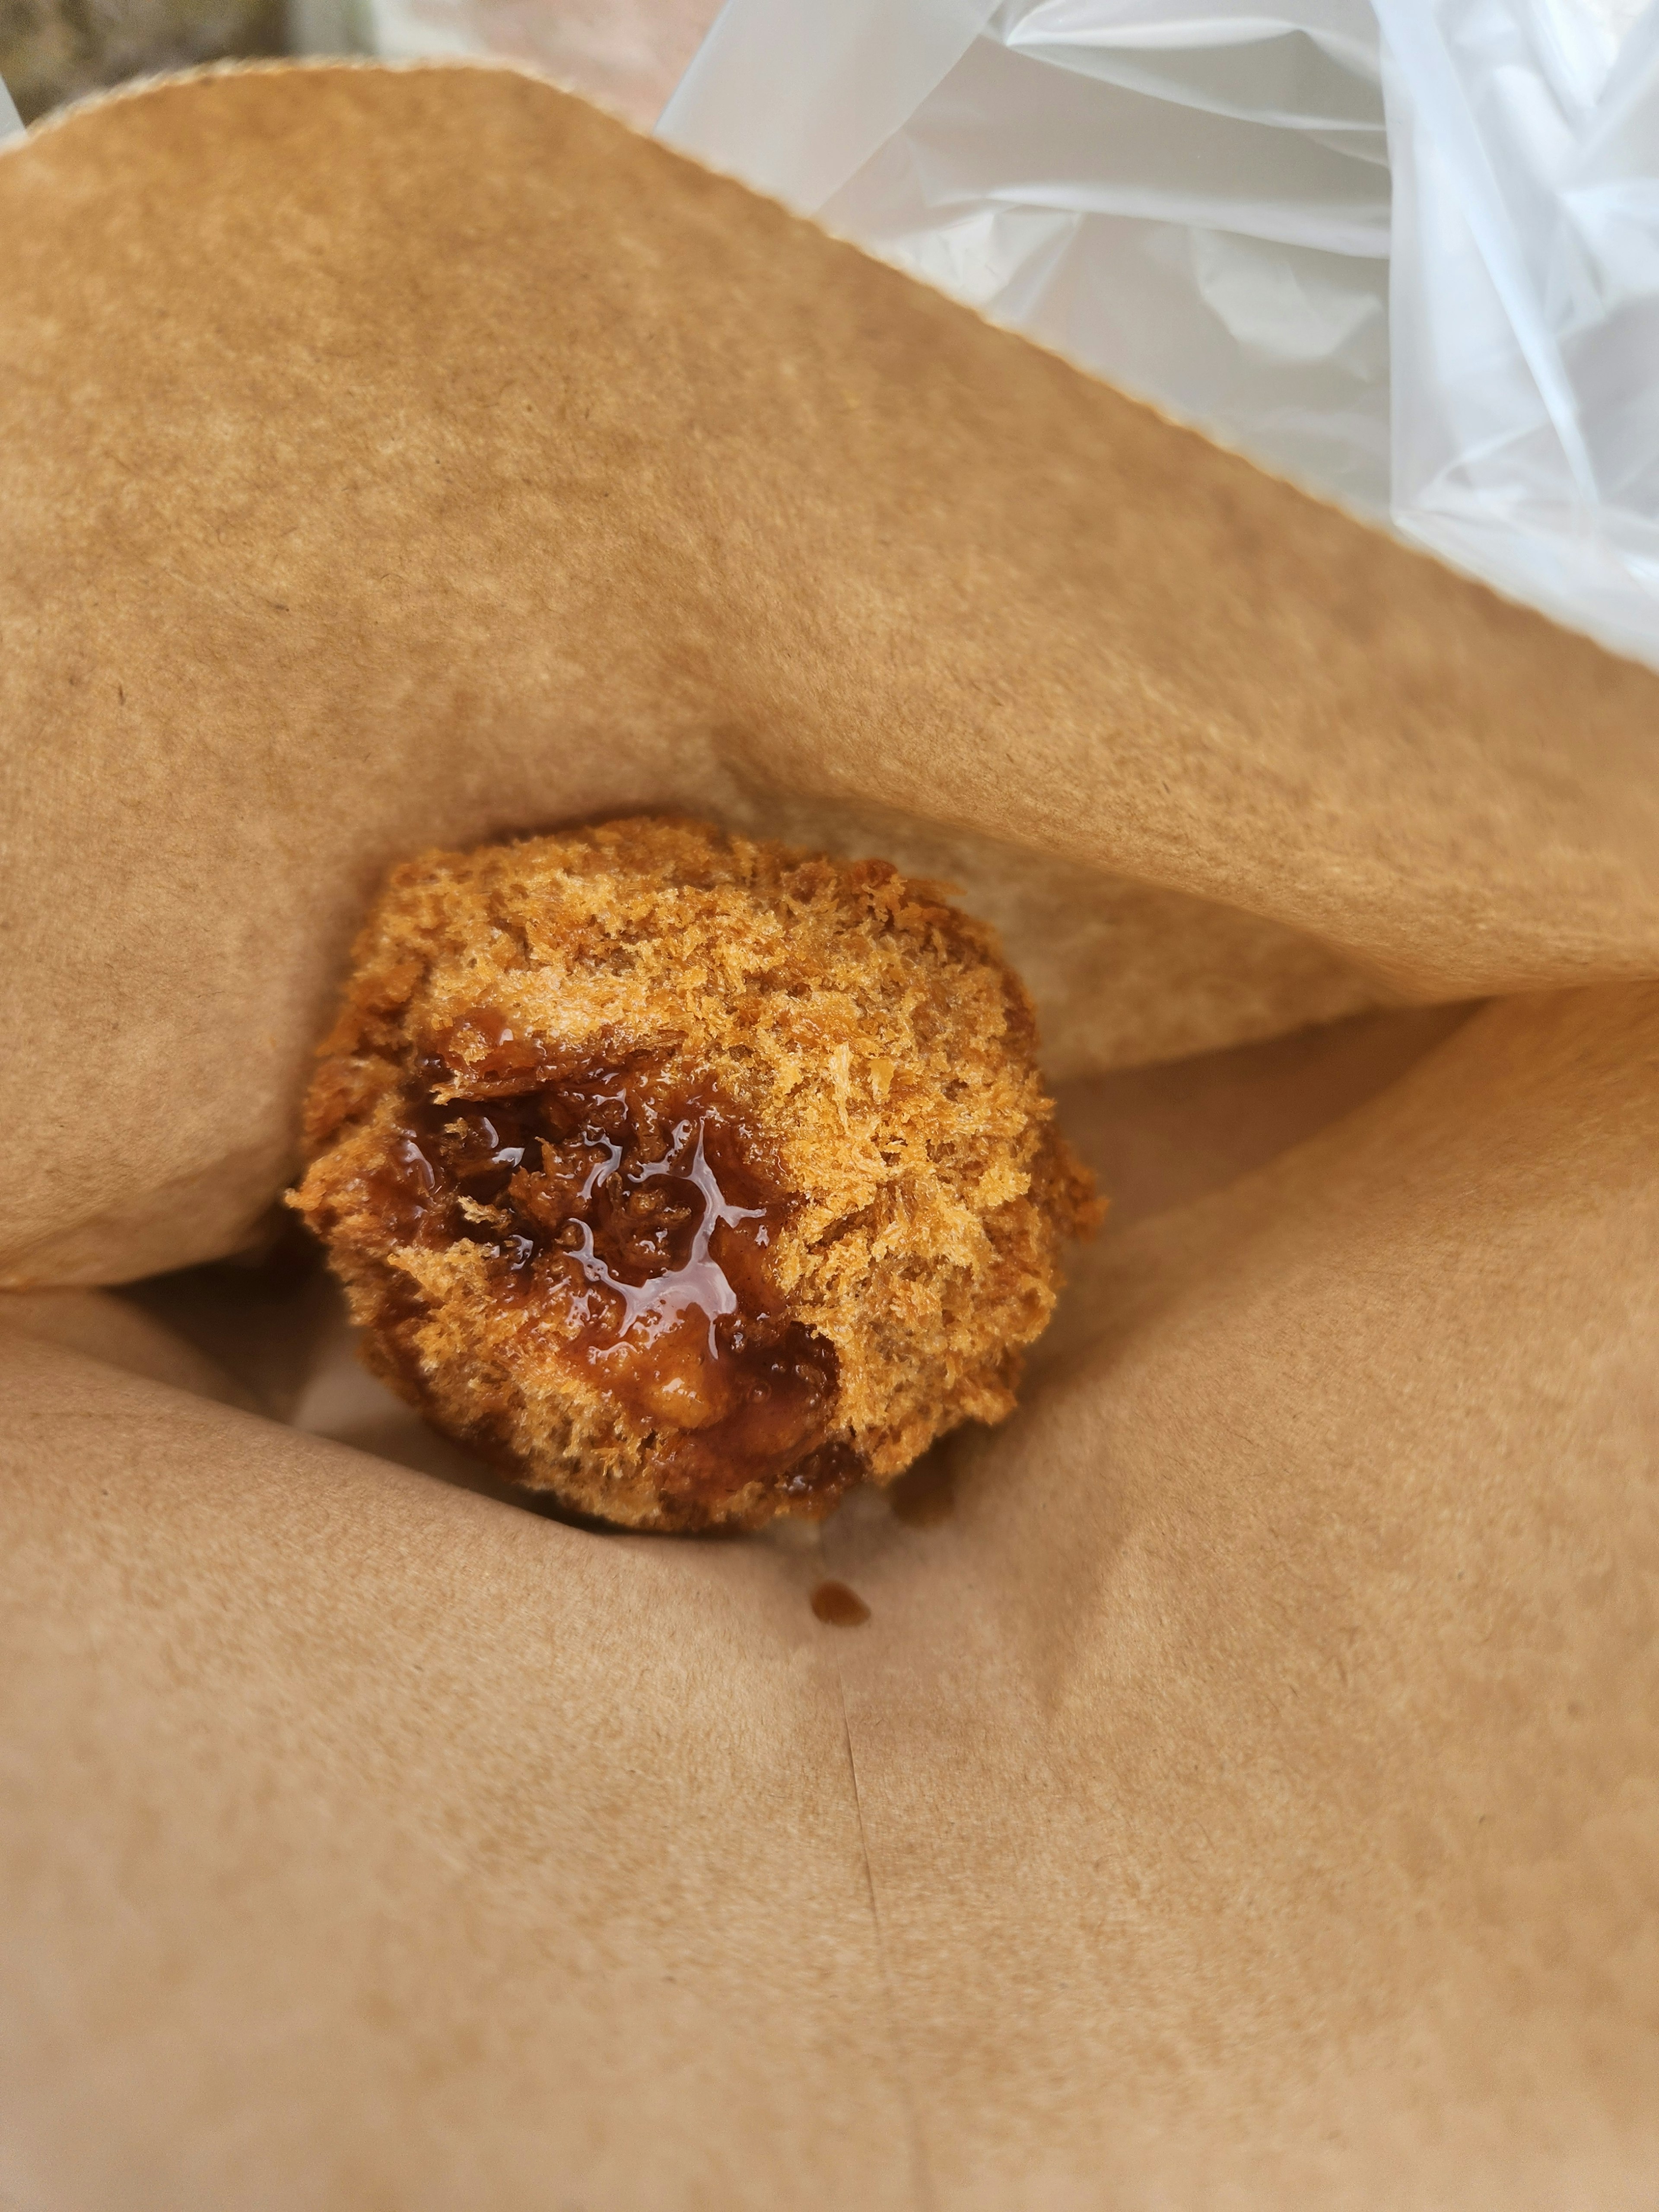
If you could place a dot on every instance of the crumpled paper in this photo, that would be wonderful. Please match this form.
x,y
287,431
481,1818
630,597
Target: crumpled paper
x,y
1196,203
1243,1789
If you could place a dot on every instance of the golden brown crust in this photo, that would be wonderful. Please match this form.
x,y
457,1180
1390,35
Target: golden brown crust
x,y
855,1044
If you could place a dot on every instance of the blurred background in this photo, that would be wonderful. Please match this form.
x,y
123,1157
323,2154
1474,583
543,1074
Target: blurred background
x,y
627,53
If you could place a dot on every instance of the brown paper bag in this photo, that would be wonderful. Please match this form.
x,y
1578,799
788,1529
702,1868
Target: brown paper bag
x,y
1248,1794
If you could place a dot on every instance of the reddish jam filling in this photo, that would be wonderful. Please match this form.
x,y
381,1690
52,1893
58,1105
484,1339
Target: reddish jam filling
x,y
632,1215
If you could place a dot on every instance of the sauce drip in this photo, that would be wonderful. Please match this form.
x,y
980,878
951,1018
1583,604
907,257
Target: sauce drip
x,y
628,1217
837,1607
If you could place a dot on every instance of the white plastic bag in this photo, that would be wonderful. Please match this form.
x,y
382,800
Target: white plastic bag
x,y
626,53
1526,299
1195,202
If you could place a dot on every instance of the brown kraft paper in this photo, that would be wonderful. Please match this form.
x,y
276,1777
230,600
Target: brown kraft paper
x,y
1245,1790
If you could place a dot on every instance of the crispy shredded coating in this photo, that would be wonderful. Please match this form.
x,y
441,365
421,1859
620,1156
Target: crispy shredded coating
x,y
854,1060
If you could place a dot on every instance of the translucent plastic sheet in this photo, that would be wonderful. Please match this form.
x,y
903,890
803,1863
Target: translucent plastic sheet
x,y
1196,203
1197,206
626,54
1525,298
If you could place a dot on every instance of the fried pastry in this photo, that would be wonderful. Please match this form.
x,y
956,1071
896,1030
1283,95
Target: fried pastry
x,y
688,1178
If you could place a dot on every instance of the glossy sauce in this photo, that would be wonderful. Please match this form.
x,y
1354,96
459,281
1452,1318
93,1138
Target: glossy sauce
x,y
630,1215
837,1607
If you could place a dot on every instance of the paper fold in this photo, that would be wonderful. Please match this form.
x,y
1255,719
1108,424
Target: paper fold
x,y
1242,1791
